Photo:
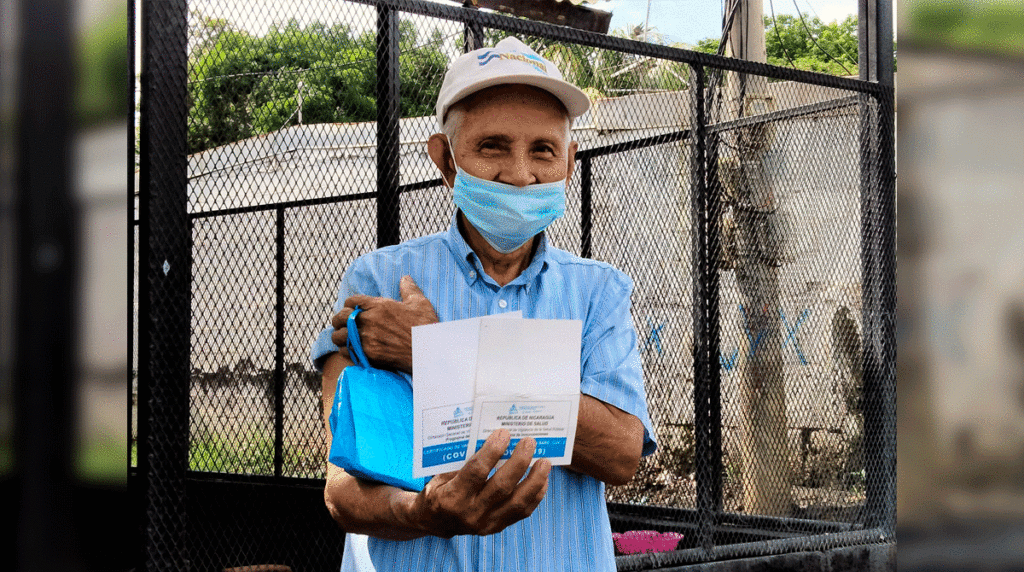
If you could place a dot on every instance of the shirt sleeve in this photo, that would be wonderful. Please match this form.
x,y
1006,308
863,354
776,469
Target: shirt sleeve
x,y
357,280
611,364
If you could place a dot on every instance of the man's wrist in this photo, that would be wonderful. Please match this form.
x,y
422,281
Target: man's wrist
x,y
404,509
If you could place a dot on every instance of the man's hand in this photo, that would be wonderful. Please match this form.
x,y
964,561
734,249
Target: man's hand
x,y
461,502
385,325
467,502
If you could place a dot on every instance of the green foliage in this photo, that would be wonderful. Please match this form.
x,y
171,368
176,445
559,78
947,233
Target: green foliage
x,y
103,71
707,46
242,85
421,67
807,44
986,26
811,45
251,455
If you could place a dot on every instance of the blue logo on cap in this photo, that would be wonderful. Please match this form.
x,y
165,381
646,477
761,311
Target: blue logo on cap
x,y
535,61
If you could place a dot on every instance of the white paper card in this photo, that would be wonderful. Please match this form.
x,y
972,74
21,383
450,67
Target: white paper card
x,y
444,359
528,382
473,377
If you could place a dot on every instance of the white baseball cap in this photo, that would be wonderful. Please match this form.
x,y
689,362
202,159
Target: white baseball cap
x,y
509,61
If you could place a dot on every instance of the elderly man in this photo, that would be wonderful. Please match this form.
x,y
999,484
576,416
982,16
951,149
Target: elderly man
x,y
505,151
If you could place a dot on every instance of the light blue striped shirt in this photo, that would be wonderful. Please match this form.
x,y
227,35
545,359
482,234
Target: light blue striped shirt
x,y
569,529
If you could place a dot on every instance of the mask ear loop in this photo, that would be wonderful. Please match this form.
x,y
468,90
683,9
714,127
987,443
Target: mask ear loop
x,y
451,151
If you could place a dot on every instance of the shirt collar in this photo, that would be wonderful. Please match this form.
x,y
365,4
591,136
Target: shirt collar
x,y
469,262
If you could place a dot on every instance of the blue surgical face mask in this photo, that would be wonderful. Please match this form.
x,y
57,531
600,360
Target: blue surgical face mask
x,y
508,216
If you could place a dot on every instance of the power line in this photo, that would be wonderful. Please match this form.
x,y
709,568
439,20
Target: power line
x,y
727,27
840,46
715,74
811,36
775,26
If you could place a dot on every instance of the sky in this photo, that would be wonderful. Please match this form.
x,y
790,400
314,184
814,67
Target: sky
x,y
677,20
689,21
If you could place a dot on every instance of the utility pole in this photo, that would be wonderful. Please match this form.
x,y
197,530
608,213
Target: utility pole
x,y
758,245
647,21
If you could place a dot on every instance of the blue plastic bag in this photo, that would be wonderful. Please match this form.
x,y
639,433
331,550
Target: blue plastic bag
x,y
371,421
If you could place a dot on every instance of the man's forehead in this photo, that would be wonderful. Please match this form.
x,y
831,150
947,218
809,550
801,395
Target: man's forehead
x,y
512,93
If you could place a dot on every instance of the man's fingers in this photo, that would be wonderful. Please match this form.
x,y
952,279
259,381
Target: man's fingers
x,y
524,499
407,288
533,488
360,300
474,474
504,481
339,320
340,337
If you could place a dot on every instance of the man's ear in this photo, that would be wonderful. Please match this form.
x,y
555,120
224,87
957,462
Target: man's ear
x,y
571,157
438,150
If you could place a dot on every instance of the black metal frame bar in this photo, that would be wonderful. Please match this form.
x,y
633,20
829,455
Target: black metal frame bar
x,y
878,260
388,114
707,382
878,315
163,206
44,216
592,39
586,208
659,516
664,560
164,354
134,499
279,379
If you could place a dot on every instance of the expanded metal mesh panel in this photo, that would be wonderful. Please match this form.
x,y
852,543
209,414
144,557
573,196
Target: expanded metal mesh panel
x,y
321,241
426,47
789,312
232,385
642,226
746,230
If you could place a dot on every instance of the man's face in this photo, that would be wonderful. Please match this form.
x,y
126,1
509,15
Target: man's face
x,y
515,134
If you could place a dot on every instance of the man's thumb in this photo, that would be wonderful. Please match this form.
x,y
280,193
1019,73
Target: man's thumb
x,y
408,288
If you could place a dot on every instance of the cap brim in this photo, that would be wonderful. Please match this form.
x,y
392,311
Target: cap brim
x,y
575,101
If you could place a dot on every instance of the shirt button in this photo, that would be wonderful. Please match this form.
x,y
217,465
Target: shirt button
x,y
502,303
472,274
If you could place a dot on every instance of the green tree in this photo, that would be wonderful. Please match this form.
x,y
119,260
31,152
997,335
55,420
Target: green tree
x,y
806,44
241,85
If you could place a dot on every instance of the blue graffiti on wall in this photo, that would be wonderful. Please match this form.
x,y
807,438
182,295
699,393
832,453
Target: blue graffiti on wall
x,y
729,359
792,333
654,337
754,341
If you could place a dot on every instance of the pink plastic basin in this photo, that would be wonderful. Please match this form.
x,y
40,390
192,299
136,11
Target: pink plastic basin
x,y
639,541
